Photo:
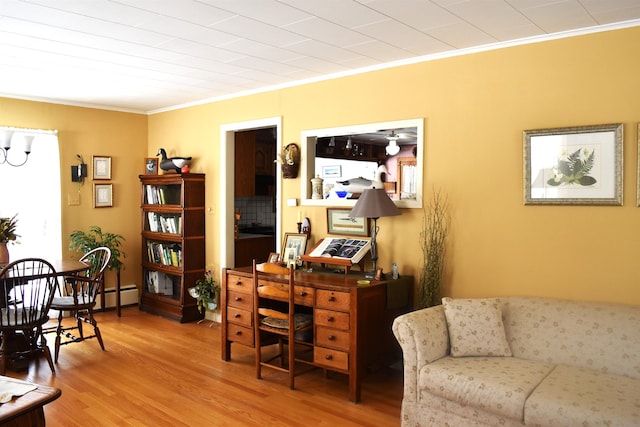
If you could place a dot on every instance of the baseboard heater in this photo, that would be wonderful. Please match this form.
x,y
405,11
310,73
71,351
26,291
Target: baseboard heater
x,y
128,296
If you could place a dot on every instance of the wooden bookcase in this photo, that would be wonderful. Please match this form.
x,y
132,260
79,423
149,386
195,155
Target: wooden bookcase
x,y
173,243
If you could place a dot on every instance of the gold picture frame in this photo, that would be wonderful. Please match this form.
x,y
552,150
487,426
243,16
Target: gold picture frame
x,y
102,195
101,167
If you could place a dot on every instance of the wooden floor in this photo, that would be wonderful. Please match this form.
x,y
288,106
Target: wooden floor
x,y
156,372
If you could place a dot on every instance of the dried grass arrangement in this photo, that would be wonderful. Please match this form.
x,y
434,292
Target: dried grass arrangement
x,y
433,236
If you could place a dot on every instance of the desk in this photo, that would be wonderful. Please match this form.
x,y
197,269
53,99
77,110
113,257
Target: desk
x,y
352,324
27,410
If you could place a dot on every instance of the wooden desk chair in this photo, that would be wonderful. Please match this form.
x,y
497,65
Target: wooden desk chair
x,y
274,311
78,296
27,289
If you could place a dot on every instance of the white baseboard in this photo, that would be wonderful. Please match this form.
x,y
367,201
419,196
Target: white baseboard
x,y
128,296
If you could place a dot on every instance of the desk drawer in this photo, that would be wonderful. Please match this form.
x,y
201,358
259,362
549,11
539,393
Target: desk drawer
x,y
332,359
332,319
240,300
333,300
332,338
240,284
240,317
240,334
280,291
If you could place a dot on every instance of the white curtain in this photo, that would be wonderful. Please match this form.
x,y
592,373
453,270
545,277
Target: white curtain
x,y
33,192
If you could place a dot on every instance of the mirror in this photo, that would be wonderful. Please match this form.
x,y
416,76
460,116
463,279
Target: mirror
x,y
352,158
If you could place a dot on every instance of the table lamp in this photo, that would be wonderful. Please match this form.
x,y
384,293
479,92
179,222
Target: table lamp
x,y
374,203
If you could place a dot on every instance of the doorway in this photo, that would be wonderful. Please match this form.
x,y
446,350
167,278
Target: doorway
x,y
254,197
257,210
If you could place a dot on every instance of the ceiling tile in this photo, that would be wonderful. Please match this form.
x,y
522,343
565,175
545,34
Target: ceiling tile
x,y
157,54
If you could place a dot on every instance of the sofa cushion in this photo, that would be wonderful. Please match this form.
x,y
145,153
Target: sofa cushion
x,y
572,396
475,327
599,336
499,385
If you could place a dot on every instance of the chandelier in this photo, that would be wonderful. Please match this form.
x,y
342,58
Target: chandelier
x,y
9,135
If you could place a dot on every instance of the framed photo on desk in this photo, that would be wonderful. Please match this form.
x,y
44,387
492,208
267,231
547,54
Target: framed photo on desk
x,y
295,241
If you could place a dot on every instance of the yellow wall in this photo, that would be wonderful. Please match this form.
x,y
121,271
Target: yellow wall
x,y
475,109
90,132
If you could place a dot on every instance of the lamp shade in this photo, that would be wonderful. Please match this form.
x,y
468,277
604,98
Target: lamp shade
x,y
374,203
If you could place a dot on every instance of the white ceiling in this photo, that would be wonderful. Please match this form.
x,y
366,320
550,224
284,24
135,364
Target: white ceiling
x,y
154,55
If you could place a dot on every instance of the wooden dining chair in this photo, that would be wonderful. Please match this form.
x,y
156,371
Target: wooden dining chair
x,y
27,289
274,311
77,295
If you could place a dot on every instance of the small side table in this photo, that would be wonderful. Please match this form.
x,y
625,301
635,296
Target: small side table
x,y
27,410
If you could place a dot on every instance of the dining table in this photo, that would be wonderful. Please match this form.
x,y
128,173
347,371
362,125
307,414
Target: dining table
x,y
62,267
68,267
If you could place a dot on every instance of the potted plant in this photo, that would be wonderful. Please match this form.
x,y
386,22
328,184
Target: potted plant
x,y
206,292
435,227
81,241
7,235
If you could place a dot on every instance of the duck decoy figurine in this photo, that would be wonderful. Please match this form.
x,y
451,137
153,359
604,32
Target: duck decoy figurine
x,y
172,163
358,185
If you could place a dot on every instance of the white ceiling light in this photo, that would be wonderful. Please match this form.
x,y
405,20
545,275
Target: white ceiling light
x,y
392,148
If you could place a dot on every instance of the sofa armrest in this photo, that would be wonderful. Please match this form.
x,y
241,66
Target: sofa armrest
x,y
424,338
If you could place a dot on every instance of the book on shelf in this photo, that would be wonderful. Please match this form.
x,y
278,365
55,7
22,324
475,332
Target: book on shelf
x,y
164,253
159,283
342,248
164,223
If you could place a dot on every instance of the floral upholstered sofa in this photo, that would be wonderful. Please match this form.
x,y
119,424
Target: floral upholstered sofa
x,y
520,361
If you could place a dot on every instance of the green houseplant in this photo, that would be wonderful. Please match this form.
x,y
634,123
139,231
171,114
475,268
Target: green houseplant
x,y
7,235
435,227
206,292
8,230
84,241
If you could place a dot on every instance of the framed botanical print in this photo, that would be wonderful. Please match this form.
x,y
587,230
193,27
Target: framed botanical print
x,y
573,166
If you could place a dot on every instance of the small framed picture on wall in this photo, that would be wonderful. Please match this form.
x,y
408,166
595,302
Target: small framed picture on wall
x,y
102,195
101,167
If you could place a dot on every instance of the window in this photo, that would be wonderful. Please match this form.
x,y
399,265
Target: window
x,y
33,192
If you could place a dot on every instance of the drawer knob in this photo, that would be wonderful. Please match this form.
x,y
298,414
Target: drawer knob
x,y
332,337
330,319
332,298
238,332
238,283
303,294
238,298
328,357
238,315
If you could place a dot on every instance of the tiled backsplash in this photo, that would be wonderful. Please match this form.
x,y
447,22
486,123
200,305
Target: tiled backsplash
x,y
256,210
